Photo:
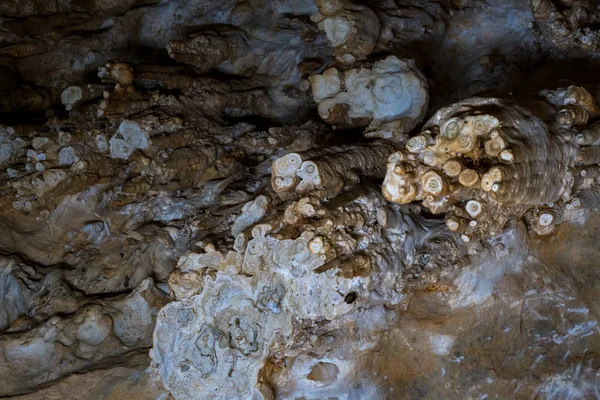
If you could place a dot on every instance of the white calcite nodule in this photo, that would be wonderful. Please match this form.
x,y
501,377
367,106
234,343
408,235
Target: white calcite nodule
x,y
391,90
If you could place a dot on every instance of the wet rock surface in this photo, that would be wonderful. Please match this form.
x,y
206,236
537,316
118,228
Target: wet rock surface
x,y
298,199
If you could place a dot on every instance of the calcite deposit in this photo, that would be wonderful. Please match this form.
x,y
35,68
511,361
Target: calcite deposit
x,y
392,91
328,199
483,161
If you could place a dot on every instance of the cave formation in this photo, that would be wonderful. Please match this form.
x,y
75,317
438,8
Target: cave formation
x,y
299,199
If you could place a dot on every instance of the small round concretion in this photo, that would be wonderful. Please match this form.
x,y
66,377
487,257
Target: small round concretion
x,y
288,164
399,169
308,170
39,142
546,219
480,126
294,160
452,224
348,58
494,134
433,183
310,167
429,158
490,178
465,238
307,210
576,203
495,187
416,144
316,245
451,130
468,177
494,146
507,155
283,183
487,184
473,223
288,181
261,201
474,208
71,95
304,85
452,168
464,141
495,174
583,173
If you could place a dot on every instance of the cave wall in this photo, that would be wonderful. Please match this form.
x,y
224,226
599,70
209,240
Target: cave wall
x,y
298,200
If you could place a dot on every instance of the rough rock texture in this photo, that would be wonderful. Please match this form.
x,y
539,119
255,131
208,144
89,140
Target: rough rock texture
x,y
393,90
90,337
336,199
115,383
484,161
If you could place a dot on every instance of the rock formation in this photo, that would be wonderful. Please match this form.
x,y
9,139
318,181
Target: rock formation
x,y
484,161
299,200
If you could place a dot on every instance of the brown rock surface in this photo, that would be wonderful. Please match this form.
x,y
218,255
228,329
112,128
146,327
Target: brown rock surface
x,y
285,199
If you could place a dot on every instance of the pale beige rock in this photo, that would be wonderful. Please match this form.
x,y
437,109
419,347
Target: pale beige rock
x,y
391,90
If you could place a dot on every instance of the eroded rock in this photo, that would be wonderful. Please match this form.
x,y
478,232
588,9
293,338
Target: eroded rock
x,y
392,90
168,155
